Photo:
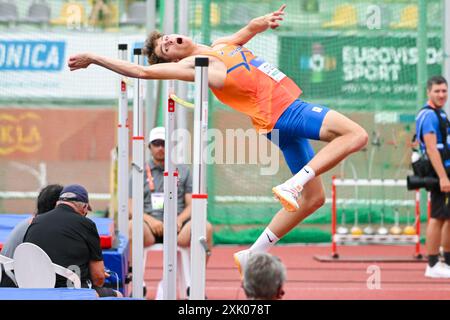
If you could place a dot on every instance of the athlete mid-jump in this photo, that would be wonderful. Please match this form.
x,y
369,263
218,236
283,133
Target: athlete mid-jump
x,y
252,86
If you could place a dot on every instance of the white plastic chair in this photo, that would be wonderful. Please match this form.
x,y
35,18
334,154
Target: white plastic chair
x,y
183,270
38,13
8,266
8,12
34,269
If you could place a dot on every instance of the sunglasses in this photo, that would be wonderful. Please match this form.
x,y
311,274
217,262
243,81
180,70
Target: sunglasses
x,y
158,143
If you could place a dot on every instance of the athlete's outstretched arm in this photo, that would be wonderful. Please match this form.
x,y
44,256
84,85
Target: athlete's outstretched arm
x,y
183,70
255,26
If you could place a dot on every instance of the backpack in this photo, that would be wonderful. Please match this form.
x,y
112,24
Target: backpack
x,y
421,165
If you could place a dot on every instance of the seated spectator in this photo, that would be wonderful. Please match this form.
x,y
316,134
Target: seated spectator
x,y
46,201
71,240
264,277
154,197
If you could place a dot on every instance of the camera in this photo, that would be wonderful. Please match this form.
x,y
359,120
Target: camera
x,y
424,174
416,182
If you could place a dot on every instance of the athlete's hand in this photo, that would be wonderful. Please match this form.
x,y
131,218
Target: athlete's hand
x,y
79,61
445,184
270,20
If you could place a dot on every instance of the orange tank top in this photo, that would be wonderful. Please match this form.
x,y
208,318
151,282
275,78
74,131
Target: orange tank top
x,y
254,87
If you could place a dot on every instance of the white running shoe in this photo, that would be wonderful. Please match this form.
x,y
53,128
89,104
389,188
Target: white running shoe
x,y
287,196
241,259
437,271
446,266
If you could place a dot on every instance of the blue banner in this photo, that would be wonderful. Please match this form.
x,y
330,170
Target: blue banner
x,y
32,55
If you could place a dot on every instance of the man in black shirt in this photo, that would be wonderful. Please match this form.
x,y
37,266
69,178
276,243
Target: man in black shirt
x,y
71,240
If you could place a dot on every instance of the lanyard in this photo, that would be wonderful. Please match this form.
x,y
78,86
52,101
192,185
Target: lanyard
x,y
151,184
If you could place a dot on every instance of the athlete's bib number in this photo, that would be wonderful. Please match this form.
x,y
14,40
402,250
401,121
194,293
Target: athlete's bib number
x,y
272,71
157,201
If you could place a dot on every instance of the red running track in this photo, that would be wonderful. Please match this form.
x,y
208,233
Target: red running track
x,y
310,279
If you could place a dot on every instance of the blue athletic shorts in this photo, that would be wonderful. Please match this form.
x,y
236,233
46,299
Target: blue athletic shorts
x,y
298,123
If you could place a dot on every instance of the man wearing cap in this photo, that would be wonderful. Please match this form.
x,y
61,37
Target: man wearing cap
x,y
71,240
154,196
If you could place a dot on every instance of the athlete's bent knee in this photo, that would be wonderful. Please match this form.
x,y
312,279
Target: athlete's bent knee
x,y
318,201
360,139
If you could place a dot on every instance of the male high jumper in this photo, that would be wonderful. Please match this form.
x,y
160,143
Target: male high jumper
x,y
252,86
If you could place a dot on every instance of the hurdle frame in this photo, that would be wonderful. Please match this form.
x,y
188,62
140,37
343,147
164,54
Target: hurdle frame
x,y
371,239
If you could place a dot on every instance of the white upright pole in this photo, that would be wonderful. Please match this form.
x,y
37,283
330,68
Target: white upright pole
x,y
169,16
123,152
199,192
170,204
138,178
150,97
168,28
182,86
150,23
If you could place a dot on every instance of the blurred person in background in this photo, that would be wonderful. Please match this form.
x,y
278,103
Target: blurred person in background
x,y
432,130
46,201
71,240
154,198
101,13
